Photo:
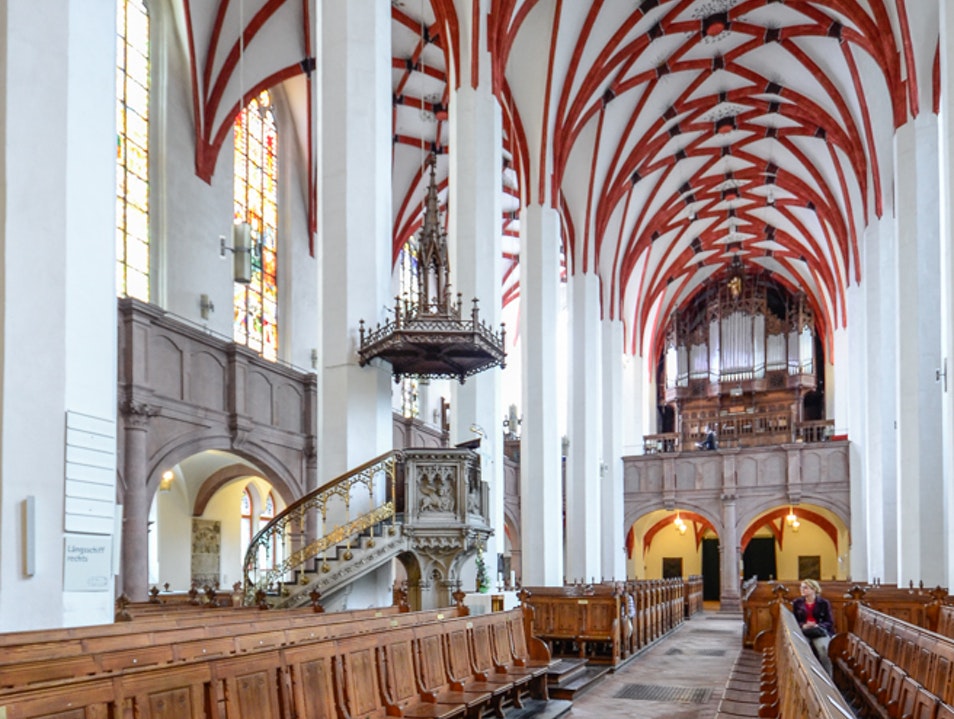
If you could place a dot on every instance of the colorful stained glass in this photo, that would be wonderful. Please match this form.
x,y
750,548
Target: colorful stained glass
x,y
132,149
256,200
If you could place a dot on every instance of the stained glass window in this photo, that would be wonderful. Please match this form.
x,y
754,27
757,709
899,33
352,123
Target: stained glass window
x,y
246,523
264,560
256,202
132,149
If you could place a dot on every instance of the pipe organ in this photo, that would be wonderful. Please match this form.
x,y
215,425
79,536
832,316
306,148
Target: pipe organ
x,y
744,346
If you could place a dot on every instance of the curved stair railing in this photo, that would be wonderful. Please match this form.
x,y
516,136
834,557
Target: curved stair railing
x,y
377,476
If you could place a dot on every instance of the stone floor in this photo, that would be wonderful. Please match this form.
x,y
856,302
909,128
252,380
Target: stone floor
x,y
681,677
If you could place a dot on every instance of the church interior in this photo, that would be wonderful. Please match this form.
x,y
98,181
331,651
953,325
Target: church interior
x,y
642,307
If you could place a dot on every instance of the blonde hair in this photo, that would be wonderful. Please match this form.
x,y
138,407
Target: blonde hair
x,y
813,584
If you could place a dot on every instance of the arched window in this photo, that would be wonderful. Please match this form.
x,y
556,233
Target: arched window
x,y
256,203
246,522
132,149
268,560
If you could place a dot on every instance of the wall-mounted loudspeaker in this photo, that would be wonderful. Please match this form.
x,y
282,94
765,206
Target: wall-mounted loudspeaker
x,y
242,252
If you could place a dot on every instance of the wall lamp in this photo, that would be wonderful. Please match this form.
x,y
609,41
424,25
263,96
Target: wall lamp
x,y
165,484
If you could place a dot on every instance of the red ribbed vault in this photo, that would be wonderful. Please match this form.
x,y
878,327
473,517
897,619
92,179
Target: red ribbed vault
x,y
670,135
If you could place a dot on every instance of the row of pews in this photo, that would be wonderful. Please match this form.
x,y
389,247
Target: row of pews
x,y
892,654
609,623
241,664
913,604
893,669
780,678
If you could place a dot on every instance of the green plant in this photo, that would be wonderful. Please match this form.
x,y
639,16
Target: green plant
x,y
483,582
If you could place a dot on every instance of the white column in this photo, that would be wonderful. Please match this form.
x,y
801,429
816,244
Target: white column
x,y
922,555
881,459
474,201
355,230
946,265
583,486
640,411
612,553
851,388
58,336
541,493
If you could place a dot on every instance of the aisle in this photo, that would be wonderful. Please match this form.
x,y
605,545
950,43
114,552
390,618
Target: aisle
x,y
681,677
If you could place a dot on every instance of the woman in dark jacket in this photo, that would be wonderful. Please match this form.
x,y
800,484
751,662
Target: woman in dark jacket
x,y
813,614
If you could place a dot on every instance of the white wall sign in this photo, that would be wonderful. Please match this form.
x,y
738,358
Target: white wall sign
x,y
87,564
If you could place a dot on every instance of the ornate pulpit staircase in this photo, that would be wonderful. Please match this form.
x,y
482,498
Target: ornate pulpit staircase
x,y
430,503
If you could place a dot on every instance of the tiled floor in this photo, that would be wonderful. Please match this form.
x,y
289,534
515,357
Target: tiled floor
x,y
681,677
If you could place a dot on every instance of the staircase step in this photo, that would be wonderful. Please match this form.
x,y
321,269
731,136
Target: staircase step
x,y
579,683
563,670
540,709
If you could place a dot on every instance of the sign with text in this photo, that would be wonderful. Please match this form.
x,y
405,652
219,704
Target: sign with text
x,y
87,563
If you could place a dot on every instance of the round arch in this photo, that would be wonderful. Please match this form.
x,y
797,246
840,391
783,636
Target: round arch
x,y
807,541
269,466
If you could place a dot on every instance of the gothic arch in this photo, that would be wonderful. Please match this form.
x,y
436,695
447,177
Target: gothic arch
x,y
223,476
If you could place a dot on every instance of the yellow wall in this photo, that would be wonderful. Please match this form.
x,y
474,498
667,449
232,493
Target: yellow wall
x,y
809,540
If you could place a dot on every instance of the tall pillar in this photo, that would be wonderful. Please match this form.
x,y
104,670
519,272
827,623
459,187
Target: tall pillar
x,y
474,201
921,553
730,593
58,331
541,490
355,248
135,554
881,299
640,412
946,265
853,379
612,553
583,490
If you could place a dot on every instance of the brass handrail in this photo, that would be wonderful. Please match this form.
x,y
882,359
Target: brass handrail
x,y
317,500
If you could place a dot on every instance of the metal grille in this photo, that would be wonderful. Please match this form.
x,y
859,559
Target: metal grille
x,y
657,693
699,653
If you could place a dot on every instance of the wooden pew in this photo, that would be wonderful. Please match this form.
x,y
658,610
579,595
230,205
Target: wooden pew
x,y
463,677
783,679
415,665
507,658
312,684
693,596
401,688
175,692
432,676
27,662
485,667
911,604
945,620
607,622
891,668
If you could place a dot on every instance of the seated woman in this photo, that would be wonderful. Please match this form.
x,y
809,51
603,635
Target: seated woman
x,y
813,614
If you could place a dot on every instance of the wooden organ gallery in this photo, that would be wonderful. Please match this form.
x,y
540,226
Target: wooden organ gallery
x,y
741,358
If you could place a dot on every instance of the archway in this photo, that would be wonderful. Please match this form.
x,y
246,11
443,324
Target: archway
x,y
672,543
205,511
810,542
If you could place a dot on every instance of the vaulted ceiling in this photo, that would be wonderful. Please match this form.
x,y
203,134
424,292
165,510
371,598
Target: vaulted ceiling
x,y
671,135
682,134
